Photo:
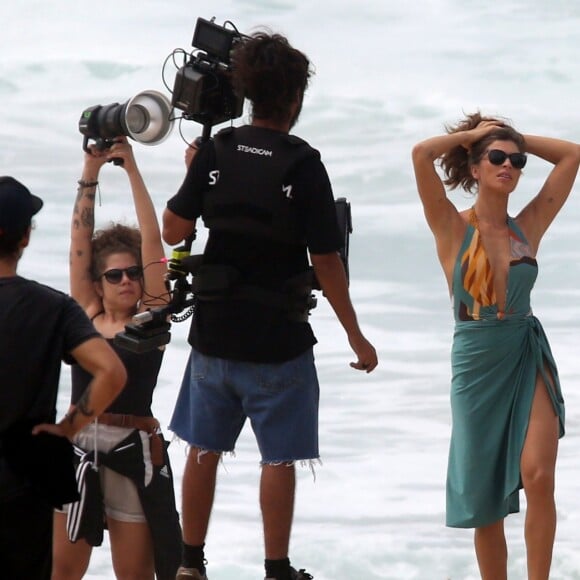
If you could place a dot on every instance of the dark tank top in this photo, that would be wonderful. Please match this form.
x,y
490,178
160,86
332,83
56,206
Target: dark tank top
x,y
142,372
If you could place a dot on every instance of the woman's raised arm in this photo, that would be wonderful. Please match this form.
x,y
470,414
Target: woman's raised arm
x,y
152,252
82,287
537,216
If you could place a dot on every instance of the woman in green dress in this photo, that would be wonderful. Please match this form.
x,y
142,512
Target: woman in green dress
x,y
507,406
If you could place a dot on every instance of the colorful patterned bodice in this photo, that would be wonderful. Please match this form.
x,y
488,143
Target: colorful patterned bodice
x,y
473,291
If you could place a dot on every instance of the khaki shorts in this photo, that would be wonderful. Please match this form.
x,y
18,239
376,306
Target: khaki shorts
x,y
120,496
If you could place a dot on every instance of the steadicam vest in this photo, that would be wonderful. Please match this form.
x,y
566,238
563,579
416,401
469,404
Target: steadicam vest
x,y
250,195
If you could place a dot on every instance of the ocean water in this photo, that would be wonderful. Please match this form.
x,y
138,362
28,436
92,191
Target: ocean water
x,y
387,75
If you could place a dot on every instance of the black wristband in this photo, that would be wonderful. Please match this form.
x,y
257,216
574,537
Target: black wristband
x,y
84,183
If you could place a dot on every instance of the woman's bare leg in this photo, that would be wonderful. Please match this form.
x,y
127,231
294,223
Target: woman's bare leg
x,y
131,550
491,551
69,561
538,464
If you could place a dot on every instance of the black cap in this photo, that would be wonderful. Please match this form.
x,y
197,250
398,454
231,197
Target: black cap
x,y
17,205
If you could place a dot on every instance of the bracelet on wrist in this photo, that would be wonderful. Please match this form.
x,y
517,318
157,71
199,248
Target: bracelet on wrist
x,y
84,183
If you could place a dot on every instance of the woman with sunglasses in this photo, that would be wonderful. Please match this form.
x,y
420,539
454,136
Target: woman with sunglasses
x,y
124,470
506,402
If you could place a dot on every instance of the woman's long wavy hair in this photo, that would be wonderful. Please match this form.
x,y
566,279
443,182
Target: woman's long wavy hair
x,y
457,162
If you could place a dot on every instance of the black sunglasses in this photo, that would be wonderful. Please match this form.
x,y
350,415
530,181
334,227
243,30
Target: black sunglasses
x,y
498,157
115,275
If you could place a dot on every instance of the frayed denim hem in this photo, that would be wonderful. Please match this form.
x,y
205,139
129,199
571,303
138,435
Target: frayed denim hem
x,y
310,463
201,451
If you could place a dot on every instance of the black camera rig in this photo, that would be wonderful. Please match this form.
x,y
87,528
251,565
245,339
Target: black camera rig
x,y
202,88
151,329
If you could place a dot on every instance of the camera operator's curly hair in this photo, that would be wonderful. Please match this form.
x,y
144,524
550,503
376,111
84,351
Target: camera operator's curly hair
x,y
116,239
272,74
457,162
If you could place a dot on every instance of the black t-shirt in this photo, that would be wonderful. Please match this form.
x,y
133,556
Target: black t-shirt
x,y
39,326
242,329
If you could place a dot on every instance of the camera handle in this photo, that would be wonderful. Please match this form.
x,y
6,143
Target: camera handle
x,y
101,145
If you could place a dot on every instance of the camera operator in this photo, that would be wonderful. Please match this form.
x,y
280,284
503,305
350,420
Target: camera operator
x,y
267,201
39,327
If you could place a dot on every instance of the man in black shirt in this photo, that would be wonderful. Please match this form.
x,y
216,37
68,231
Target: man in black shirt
x,y
267,201
39,327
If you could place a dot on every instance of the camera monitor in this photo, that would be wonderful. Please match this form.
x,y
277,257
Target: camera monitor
x,y
215,40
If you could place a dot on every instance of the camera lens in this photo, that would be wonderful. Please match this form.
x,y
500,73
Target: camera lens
x,y
137,119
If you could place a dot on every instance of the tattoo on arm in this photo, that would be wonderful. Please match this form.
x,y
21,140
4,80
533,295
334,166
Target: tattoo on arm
x,y
88,217
81,408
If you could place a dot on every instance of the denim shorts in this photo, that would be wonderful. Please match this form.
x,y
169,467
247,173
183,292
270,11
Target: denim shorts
x,y
280,399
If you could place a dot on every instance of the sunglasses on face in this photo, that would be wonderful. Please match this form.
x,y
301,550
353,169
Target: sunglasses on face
x,y
498,157
115,275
